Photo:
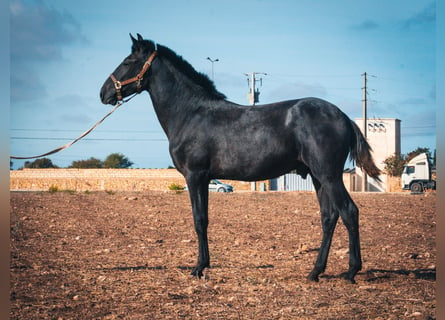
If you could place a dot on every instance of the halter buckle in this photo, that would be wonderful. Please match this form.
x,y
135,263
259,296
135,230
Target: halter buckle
x,y
117,85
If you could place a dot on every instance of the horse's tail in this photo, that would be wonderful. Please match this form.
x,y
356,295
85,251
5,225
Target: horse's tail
x,y
360,152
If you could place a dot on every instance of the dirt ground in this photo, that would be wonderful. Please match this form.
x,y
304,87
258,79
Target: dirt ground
x,y
128,256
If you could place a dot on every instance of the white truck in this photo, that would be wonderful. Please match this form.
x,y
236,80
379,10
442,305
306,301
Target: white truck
x,y
416,174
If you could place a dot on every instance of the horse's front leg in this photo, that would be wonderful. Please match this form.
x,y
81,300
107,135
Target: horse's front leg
x,y
198,185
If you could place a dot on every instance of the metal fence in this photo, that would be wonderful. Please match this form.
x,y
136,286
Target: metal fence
x,y
292,182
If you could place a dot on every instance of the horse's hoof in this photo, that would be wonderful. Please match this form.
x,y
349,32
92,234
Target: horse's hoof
x,y
312,277
196,273
348,277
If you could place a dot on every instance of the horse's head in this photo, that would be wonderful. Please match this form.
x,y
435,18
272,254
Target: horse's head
x,y
131,75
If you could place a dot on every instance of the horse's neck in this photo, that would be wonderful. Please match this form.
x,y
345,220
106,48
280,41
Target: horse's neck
x,y
172,95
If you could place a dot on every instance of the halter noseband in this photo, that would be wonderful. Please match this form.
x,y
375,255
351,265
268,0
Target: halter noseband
x,y
119,84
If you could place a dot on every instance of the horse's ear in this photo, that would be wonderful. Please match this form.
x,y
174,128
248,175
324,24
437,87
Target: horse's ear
x,y
140,37
133,39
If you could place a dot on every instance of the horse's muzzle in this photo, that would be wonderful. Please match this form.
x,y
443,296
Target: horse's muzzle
x,y
108,95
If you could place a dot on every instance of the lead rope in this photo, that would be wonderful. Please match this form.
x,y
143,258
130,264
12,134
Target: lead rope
x,y
69,144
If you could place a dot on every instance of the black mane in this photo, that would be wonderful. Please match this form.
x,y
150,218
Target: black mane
x,y
182,65
186,68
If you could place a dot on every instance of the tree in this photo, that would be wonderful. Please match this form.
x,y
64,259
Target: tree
x,y
41,163
90,163
117,160
416,152
394,165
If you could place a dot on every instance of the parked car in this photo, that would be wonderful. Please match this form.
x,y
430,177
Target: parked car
x,y
217,186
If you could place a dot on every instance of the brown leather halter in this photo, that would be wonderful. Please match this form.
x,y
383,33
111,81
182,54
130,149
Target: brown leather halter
x,y
119,84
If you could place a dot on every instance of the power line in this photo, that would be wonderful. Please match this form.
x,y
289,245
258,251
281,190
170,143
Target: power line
x,y
426,126
315,75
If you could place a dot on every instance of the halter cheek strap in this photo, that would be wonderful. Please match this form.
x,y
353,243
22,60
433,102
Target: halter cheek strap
x,y
140,76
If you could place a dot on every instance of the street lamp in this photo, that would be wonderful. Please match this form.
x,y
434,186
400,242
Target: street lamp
x,y
212,61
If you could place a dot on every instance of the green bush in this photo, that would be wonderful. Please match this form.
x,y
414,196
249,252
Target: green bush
x,y
53,188
175,187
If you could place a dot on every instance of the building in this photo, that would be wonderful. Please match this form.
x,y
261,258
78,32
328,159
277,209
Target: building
x,y
383,136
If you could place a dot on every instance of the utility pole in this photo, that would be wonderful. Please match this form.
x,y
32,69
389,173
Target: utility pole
x,y
253,97
212,61
365,125
254,93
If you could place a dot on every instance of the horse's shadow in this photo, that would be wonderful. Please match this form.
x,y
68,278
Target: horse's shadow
x,y
423,274
370,275
131,268
373,275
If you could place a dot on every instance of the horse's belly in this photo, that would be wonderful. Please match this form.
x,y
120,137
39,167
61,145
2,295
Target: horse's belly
x,y
253,165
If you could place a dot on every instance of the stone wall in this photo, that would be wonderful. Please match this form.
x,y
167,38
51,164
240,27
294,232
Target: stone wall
x,y
128,180
101,180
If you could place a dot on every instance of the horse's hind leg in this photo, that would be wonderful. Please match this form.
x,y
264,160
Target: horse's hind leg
x,y
350,217
329,217
334,201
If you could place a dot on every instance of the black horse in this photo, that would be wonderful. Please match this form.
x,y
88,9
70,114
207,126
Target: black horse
x,y
210,137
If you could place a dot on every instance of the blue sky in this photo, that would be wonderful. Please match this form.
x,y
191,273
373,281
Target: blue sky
x,y
62,51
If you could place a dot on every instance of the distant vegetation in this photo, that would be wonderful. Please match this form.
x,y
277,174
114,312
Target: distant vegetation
x,y
87,164
114,160
394,164
117,160
43,163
